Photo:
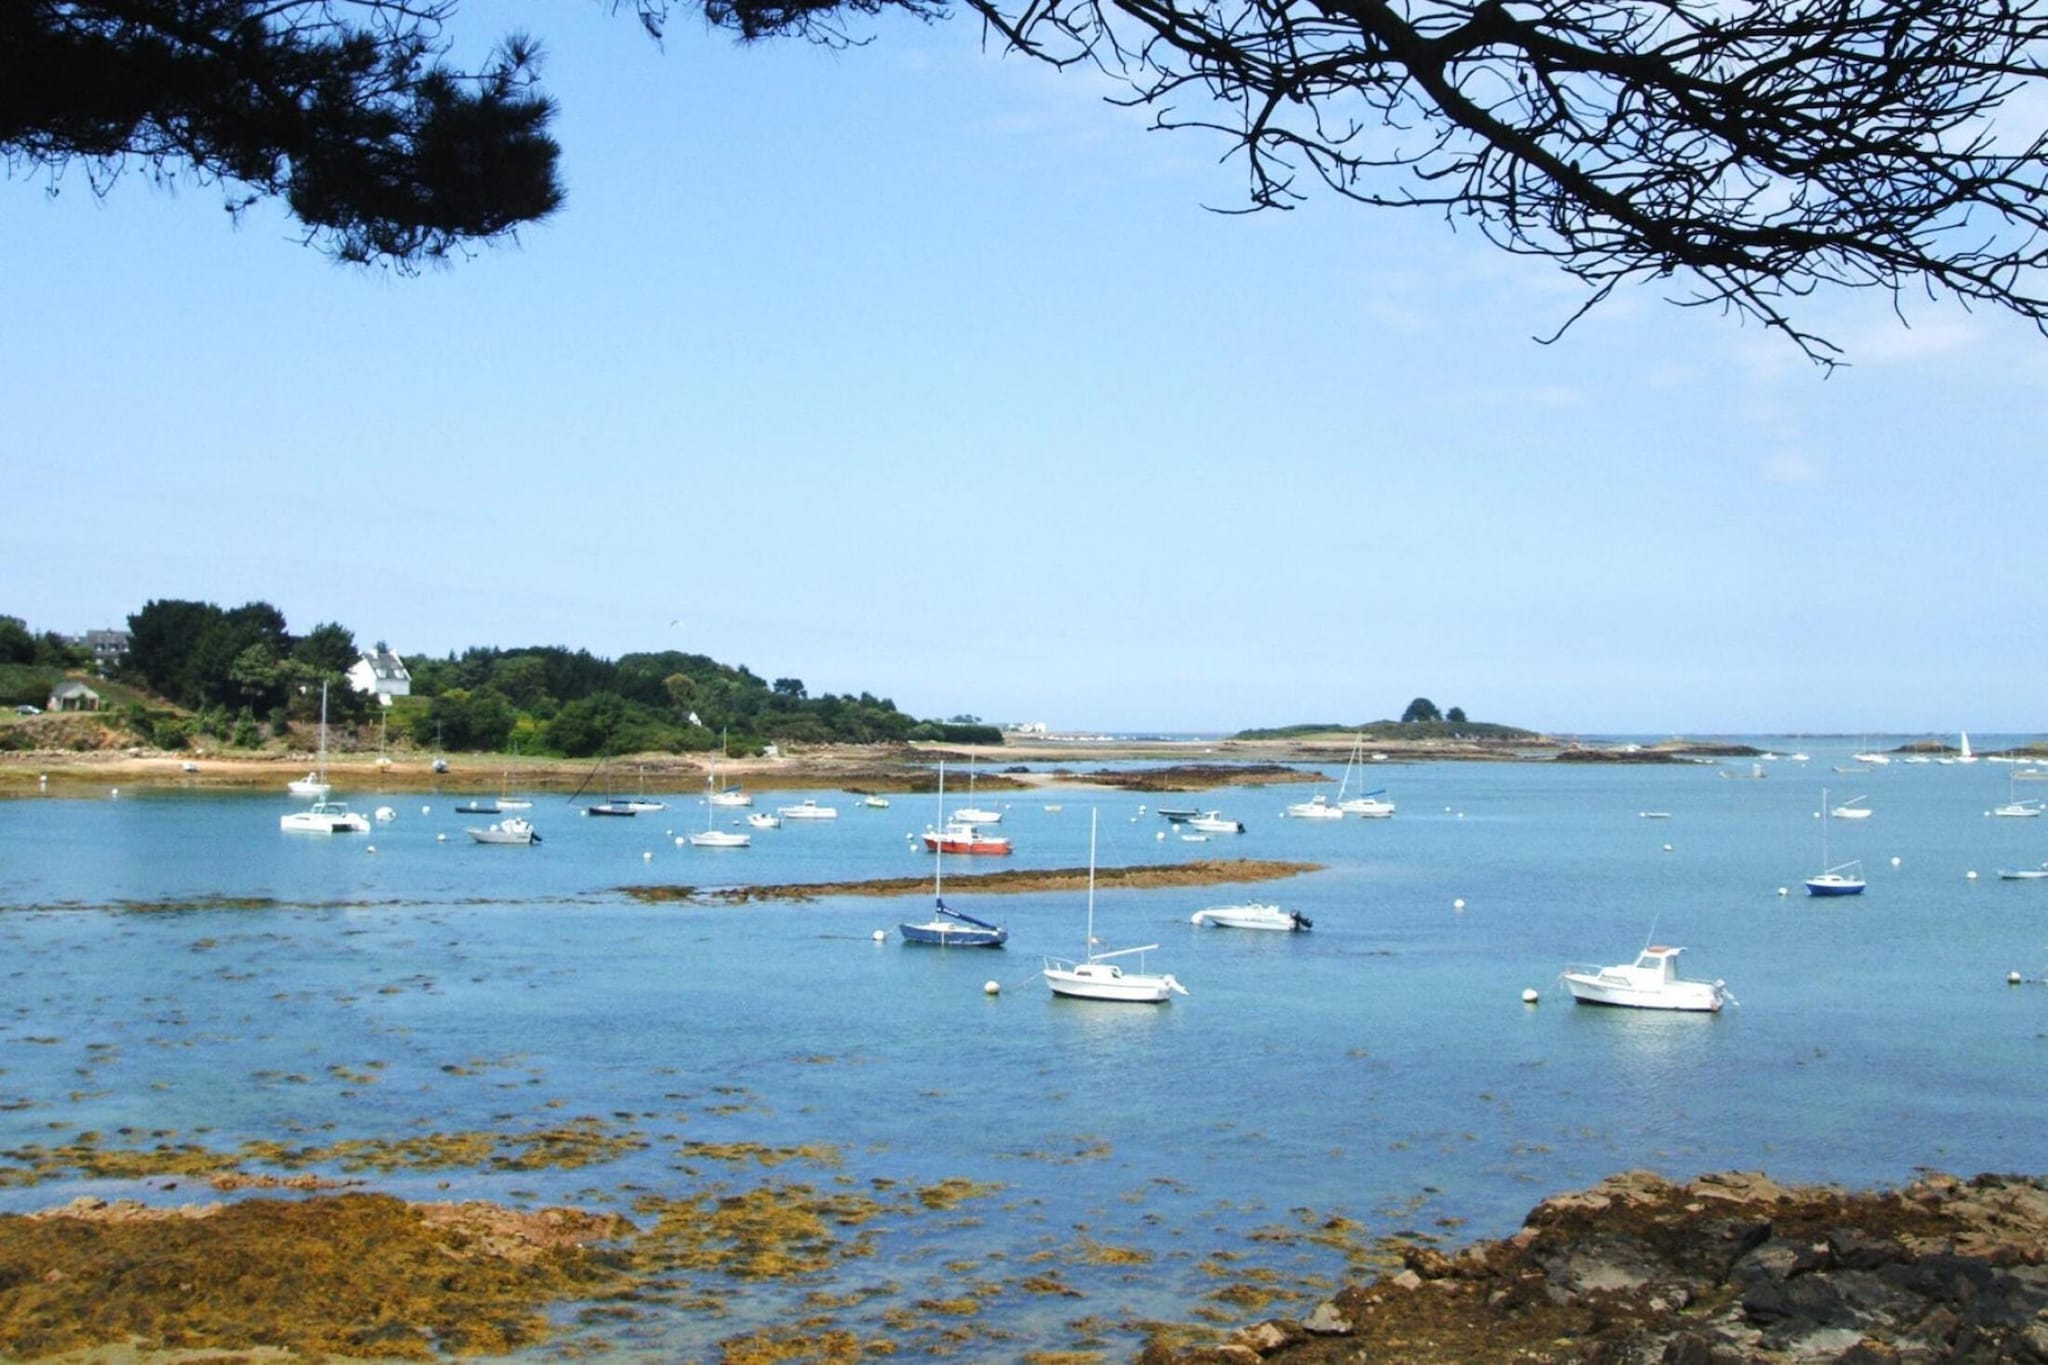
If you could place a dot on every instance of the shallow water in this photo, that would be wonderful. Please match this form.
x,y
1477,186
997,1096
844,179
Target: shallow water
x,y
1382,1067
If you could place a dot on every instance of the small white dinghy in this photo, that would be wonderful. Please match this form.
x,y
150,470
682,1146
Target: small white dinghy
x,y
1650,983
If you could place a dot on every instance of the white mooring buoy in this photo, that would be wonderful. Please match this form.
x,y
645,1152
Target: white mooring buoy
x,y
1531,996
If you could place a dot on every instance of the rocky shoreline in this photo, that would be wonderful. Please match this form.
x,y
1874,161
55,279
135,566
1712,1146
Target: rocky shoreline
x,y
1721,1270
1638,1270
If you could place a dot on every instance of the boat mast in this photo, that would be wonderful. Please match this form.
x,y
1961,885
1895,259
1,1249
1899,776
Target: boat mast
x,y
1089,951
939,844
1824,864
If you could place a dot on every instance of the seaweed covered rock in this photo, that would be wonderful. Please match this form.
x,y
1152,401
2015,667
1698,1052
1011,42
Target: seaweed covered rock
x,y
1727,1268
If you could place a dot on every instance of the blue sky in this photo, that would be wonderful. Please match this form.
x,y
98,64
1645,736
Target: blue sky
x,y
919,371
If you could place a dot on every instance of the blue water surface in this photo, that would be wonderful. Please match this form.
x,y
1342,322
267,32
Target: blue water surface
x,y
178,969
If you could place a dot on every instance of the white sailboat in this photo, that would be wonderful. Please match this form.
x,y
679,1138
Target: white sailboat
x,y
971,814
728,796
315,784
1095,976
642,801
710,836
2014,808
1963,755
1366,805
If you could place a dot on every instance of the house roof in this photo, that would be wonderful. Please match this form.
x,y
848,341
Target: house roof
x,y
71,687
386,664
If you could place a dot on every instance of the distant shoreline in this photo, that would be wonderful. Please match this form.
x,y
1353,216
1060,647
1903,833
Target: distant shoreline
x,y
1189,765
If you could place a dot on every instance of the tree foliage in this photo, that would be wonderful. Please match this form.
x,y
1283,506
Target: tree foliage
x,y
341,108
1751,153
1421,709
1741,155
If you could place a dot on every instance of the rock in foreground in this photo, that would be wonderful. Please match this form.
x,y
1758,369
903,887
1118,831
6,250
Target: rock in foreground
x,y
1726,1269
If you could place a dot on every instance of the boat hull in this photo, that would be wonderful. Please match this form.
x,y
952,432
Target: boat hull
x,y
508,832
1833,886
1100,981
1697,997
984,845
1266,917
306,822
952,934
718,838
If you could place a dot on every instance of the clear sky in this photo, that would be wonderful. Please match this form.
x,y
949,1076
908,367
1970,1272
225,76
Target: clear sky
x,y
919,371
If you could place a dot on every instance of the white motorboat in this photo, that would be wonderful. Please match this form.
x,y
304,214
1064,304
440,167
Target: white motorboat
x,y
761,819
515,830
1215,822
1650,983
2023,874
962,838
1317,807
324,817
874,802
1253,915
1852,809
808,809
309,785
1095,976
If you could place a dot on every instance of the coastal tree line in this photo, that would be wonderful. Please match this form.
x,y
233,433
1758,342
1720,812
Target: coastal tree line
x,y
242,678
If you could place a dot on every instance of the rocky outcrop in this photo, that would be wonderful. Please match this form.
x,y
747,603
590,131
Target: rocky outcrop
x,y
1725,1269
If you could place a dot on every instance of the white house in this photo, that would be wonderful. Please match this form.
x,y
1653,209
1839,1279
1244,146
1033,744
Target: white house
x,y
380,673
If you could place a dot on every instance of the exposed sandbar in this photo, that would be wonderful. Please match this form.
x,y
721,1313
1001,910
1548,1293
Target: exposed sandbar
x,y
1202,872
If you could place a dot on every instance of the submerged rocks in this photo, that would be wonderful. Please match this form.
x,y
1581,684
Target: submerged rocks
x,y
1727,1268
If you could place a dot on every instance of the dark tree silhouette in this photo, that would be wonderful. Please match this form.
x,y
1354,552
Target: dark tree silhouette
x,y
1742,156
340,107
1421,709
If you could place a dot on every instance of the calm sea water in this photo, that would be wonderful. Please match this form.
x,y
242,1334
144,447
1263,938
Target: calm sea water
x,y
1382,1067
